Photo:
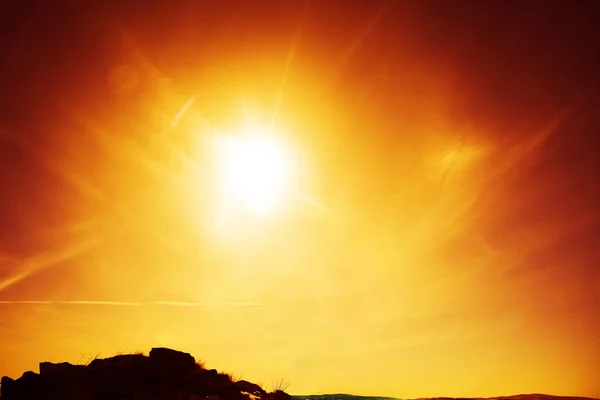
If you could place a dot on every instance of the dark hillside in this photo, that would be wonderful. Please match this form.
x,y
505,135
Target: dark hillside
x,y
163,374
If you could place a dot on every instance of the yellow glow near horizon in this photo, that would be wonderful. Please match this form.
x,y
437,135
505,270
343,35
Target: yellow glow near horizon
x,y
253,169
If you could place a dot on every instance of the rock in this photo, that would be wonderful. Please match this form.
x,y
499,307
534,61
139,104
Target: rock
x,y
174,359
219,384
279,395
29,379
28,386
143,395
8,386
74,394
51,368
189,396
64,373
164,374
29,375
251,388
251,396
122,361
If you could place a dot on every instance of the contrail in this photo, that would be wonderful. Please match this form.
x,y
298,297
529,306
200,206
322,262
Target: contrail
x,y
47,260
370,25
129,303
363,34
75,302
320,207
240,304
529,147
183,110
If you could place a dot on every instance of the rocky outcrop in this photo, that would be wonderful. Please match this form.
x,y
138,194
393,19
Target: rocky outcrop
x,y
251,388
279,395
176,361
163,374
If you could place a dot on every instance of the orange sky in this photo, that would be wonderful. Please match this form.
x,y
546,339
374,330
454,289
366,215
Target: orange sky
x,y
441,237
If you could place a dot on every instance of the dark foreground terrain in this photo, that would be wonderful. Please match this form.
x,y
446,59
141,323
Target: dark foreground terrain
x,y
163,374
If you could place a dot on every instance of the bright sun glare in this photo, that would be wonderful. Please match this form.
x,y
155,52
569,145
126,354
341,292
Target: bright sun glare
x,y
254,170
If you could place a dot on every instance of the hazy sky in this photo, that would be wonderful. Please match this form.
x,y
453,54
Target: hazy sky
x,y
443,237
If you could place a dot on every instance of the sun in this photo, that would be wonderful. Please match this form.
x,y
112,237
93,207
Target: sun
x,y
254,169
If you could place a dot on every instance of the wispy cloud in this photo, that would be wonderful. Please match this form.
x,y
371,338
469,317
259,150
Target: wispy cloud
x,y
240,304
183,110
7,259
46,260
127,303
526,150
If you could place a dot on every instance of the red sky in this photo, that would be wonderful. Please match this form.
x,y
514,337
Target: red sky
x,y
442,240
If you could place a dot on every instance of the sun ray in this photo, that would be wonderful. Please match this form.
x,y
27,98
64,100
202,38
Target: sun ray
x,y
288,64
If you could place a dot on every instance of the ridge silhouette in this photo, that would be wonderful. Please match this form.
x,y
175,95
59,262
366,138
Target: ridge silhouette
x,y
163,374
